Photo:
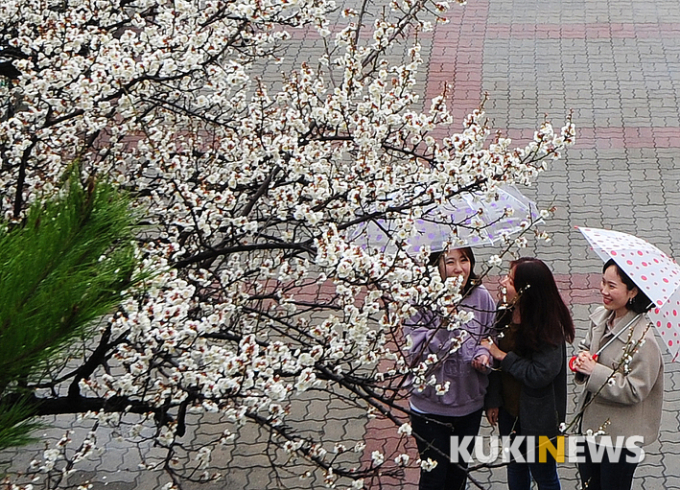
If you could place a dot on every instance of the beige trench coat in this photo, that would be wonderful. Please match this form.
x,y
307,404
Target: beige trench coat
x,y
631,402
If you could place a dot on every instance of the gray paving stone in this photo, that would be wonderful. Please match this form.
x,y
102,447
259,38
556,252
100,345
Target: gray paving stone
x,y
624,83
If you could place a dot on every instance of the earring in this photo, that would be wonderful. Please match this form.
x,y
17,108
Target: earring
x,y
630,301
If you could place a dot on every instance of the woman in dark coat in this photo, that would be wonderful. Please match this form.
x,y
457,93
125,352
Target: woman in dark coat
x,y
530,398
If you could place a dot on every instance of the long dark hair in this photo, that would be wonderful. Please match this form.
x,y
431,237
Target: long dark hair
x,y
640,302
544,318
473,280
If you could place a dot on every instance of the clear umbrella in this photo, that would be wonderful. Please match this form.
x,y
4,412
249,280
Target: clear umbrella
x,y
467,220
654,272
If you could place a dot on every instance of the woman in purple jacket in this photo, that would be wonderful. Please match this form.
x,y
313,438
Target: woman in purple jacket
x,y
453,405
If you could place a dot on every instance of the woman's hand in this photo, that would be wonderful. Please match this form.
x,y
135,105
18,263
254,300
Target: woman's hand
x,y
497,354
492,416
481,363
584,363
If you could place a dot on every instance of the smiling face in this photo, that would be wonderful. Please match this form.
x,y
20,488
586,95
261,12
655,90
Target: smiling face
x,y
508,283
455,263
615,293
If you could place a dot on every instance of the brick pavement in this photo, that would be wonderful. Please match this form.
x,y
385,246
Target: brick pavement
x,y
616,64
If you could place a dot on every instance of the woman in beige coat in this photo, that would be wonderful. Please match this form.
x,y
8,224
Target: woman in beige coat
x,y
623,383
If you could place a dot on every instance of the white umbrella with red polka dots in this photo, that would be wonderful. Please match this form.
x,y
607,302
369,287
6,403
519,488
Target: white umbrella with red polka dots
x,y
654,272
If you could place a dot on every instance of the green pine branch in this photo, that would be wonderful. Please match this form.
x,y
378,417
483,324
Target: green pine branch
x,y
65,267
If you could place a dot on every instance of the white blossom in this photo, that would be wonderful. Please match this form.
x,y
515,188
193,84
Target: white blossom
x,y
254,191
495,261
405,429
402,460
358,484
428,464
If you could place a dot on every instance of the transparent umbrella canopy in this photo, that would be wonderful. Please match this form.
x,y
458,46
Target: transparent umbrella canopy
x,y
466,220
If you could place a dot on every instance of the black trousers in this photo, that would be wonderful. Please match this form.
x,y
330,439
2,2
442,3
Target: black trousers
x,y
436,430
610,474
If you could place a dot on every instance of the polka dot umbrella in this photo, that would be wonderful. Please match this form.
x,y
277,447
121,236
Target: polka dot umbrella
x,y
467,220
652,271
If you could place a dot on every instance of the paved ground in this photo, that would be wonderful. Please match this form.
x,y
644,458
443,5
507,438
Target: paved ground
x,y
616,64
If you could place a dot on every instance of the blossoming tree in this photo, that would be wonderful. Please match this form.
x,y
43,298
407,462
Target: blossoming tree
x,y
252,193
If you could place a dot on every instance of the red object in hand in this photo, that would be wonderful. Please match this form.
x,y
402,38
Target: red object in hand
x,y
572,361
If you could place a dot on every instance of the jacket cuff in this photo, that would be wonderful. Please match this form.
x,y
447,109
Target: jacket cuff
x,y
483,350
599,377
493,401
509,360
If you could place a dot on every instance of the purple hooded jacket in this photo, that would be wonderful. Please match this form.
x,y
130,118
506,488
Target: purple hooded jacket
x,y
467,385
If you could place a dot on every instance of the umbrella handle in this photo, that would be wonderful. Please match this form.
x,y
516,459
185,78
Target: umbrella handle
x,y
572,361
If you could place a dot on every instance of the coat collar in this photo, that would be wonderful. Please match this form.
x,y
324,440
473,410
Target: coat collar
x,y
602,315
